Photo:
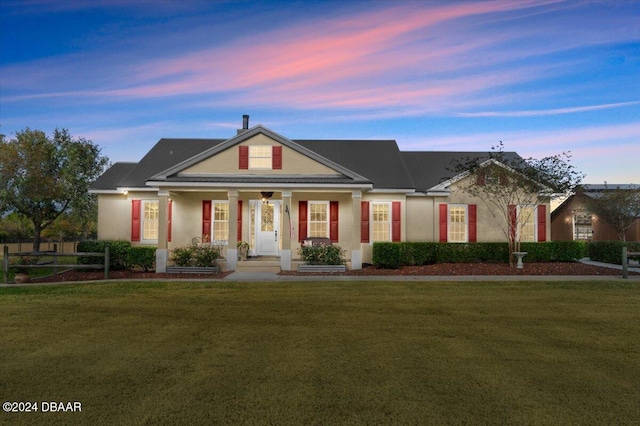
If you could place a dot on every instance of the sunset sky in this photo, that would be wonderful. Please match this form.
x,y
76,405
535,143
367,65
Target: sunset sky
x,y
542,76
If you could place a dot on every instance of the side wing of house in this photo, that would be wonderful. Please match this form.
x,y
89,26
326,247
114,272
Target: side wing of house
x,y
441,210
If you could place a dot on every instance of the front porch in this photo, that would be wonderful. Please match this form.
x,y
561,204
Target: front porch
x,y
271,223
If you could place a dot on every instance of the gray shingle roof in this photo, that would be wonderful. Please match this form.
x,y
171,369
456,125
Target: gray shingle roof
x,y
378,160
111,179
430,168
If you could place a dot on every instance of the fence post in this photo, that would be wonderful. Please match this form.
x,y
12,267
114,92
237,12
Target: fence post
x,y
106,263
625,259
5,263
55,258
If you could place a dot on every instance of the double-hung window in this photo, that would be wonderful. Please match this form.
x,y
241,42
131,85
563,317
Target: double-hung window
x,y
149,221
260,156
220,222
458,226
380,221
318,220
527,223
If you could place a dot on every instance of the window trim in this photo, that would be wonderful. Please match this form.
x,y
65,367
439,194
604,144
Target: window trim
x,y
251,157
466,223
328,216
143,220
214,221
533,217
389,205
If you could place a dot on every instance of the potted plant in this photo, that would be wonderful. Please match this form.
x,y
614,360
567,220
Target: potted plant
x,y
243,250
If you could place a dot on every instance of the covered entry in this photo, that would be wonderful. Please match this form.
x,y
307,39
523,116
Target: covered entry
x,y
265,227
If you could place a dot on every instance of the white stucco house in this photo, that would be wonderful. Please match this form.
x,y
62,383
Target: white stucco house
x,y
273,192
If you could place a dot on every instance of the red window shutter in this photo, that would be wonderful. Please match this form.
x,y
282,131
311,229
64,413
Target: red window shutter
x,y
169,219
206,218
513,218
135,220
481,177
276,157
542,223
364,222
396,221
443,223
473,223
302,220
243,157
333,221
239,220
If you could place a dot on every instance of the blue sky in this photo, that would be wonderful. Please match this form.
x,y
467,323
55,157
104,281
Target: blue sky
x,y
542,76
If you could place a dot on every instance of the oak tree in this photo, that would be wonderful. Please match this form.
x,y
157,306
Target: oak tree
x,y
42,177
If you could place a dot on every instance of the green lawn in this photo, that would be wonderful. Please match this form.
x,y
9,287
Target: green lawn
x,y
324,353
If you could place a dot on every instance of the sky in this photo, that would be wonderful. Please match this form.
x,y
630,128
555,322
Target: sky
x,y
543,77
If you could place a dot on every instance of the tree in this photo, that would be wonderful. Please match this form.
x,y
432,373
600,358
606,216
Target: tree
x,y
43,177
619,207
510,186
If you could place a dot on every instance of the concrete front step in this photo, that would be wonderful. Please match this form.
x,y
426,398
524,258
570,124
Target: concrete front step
x,y
257,265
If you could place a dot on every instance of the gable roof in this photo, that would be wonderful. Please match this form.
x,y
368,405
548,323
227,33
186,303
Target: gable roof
x,y
591,191
246,135
377,163
431,168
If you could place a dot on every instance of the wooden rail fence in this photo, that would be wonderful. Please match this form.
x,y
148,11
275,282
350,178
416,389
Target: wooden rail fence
x,y
54,265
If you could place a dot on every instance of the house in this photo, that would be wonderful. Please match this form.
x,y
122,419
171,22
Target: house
x,y
572,220
274,193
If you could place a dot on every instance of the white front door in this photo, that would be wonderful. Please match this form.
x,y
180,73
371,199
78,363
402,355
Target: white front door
x,y
267,223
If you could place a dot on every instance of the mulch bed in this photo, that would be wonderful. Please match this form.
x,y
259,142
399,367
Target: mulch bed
x,y
458,269
440,269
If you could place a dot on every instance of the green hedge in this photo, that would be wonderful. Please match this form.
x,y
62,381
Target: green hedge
x,y
142,256
118,253
322,255
611,251
394,255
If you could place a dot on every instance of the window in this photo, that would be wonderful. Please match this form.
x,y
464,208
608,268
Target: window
x,y
583,226
220,222
260,156
527,223
457,224
380,222
318,221
150,220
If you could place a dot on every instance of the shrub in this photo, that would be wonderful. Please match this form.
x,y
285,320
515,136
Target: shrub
x,y
418,253
24,260
394,255
144,257
206,255
182,256
387,255
610,251
193,255
322,255
118,253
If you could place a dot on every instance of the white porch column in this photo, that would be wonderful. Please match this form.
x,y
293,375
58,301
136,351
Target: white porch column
x,y
285,234
356,237
232,239
162,253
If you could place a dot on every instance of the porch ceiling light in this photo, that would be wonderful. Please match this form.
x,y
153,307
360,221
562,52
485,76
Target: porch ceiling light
x,y
265,196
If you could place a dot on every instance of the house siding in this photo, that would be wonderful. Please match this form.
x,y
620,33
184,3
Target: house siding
x,y
292,162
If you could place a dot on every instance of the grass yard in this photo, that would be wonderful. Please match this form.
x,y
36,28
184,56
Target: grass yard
x,y
324,353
